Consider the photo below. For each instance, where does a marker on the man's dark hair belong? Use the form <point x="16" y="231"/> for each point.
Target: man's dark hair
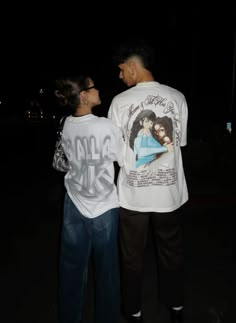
<point x="137" y="47"/>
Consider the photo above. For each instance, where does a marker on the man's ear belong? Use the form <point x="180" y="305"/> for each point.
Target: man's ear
<point x="132" y="65"/>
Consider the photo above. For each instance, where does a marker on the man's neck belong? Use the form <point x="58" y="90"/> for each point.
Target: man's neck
<point x="145" y="76"/>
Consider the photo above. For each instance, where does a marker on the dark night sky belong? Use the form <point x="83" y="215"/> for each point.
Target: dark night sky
<point x="195" y="53"/>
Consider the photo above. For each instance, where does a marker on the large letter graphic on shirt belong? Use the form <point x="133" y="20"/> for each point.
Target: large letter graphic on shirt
<point x="95" y="161"/>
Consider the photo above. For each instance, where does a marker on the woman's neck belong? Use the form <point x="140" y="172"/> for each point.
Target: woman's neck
<point x="82" y="112"/>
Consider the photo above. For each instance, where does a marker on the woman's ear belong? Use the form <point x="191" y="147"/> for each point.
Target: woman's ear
<point x="83" y="97"/>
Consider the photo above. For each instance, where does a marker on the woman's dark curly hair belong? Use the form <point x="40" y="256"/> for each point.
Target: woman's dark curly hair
<point x="68" y="89"/>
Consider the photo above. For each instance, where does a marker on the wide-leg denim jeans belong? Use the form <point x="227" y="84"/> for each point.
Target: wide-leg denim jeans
<point x="79" y="236"/>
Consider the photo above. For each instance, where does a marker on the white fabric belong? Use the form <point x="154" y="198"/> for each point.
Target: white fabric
<point x="92" y="144"/>
<point x="158" y="186"/>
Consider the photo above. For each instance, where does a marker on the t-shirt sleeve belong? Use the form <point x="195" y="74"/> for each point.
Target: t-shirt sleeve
<point x="118" y="145"/>
<point x="113" y="115"/>
<point x="184" y="121"/>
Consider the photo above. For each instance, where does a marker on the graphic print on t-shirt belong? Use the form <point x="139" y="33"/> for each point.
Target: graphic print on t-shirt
<point x="150" y="136"/>
<point x="93" y="161"/>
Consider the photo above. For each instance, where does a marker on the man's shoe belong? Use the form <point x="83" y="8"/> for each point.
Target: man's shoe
<point x="176" y="316"/>
<point x="134" y="319"/>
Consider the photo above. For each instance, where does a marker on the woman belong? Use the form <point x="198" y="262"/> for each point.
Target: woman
<point x="92" y="144"/>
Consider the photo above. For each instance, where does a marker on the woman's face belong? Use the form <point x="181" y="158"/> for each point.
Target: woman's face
<point x="147" y="123"/>
<point x="93" y="94"/>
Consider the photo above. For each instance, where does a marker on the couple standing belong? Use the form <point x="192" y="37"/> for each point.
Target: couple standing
<point x="95" y="220"/>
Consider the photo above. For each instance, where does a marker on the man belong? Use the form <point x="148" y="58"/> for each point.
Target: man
<point x="151" y="184"/>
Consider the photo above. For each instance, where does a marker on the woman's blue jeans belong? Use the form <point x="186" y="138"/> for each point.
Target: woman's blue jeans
<point x="80" y="236"/>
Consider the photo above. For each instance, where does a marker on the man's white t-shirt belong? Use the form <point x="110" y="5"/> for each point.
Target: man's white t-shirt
<point x="153" y="118"/>
<point x="92" y="144"/>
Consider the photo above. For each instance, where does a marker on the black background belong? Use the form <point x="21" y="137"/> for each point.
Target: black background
<point x="195" y="52"/>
